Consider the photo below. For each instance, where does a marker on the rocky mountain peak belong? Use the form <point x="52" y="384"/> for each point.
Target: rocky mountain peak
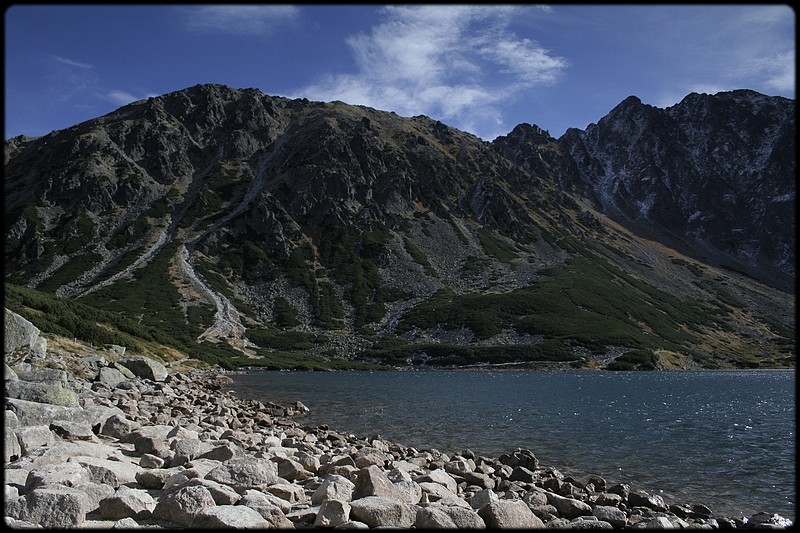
<point x="717" y="169"/>
<point x="229" y="216"/>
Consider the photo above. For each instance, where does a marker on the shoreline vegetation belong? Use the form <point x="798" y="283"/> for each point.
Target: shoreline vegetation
<point x="123" y="441"/>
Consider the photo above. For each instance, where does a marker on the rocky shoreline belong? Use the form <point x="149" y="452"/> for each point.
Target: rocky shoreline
<point x="126" y="443"/>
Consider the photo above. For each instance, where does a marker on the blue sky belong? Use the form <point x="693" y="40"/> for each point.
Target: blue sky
<point x="480" y="68"/>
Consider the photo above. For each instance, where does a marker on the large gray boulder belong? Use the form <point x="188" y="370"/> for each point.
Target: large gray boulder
<point x="334" y="487"/>
<point x="270" y="507"/>
<point x="31" y="413"/>
<point x="245" y="473"/>
<point x="145" y="367"/>
<point x="510" y="514"/>
<point x="51" y="507"/>
<point x="569" y="507"/>
<point x="21" y="339"/>
<point x="332" y="513"/>
<point x="372" y="481"/>
<point x="228" y="517"/>
<point x="127" y="502"/>
<point x="11" y="448"/>
<point x="614" y="516"/>
<point x="50" y="392"/>
<point x="379" y="511"/>
<point x="180" y="506"/>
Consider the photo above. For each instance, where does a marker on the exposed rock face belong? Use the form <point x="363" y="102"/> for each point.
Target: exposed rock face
<point x="21" y="339"/>
<point x="713" y="173"/>
<point x="225" y="215"/>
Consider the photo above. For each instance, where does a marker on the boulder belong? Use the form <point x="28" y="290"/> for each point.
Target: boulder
<point x="50" y="392"/>
<point x="144" y="367"/>
<point x="520" y="457"/>
<point x="372" y="481"/>
<point x="69" y="430"/>
<point x="588" y="522"/>
<point x="21" y="338"/>
<point x="222" y="494"/>
<point x="506" y="514"/>
<point x="433" y="518"/>
<point x="640" y="498"/>
<point x="11" y="448"/>
<point x="245" y="473"/>
<point x="569" y="507"/>
<point x="32" y="437"/>
<point x="127" y="502"/>
<point x="332" y="513"/>
<point x="614" y="516"/>
<point x="441" y="477"/>
<point x="292" y="470"/>
<point x="110" y="377"/>
<point x="448" y="516"/>
<point x="150" y="439"/>
<point x="334" y="487"/>
<point x="66" y="474"/>
<point x="764" y="520"/>
<point x="483" y="497"/>
<point x="108" y="472"/>
<point x="51" y="506"/>
<point x="380" y="511"/>
<point x="288" y="491"/>
<point x="181" y="505"/>
<point x="228" y="517"/>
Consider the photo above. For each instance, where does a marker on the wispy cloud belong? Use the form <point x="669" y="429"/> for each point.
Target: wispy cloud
<point x="759" y="51"/>
<point x="72" y="63"/>
<point x="123" y="97"/>
<point x="79" y="85"/>
<point x="241" y="19"/>
<point x="454" y="63"/>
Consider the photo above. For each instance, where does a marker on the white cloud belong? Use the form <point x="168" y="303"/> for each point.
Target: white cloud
<point x="241" y="19"/>
<point x="72" y="63"/>
<point x="760" y="48"/>
<point x="123" y="97"/>
<point x="454" y="63"/>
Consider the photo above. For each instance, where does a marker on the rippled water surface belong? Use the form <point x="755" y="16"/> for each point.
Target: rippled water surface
<point x="726" y="439"/>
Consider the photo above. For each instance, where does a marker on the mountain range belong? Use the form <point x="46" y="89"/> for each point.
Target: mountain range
<point x="239" y="228"/>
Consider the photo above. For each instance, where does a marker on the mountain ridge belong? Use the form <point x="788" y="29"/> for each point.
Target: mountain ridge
<point x="260" y="218"/>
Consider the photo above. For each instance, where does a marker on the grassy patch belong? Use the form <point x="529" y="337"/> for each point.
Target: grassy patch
<point x="71" y="271"/>
<point x="495" y="246"/>
<point x="284" y="314"/>
<point x="587" y="302"/>
<point x="419" y="257"/>
<point x="399" y="353"/>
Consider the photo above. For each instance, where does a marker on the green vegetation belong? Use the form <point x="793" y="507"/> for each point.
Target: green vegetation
<point x="71" y="270"/>
<point x="286" y="341"/>
<point x="154" y="302"/>
<point x="419" y="257"/>
<point x="301" y="361"/>
<point x="634" y="360"/>
<point x="696" y="269"/>
<point x="472" y="266"/>
<point x="587" y="302"/>
<point x="352" y="258"/>
<point x="79" y="230"/>
<point x="397" y="352"/>
<point x="285" y="315"/>
<point x="495" y="246"/>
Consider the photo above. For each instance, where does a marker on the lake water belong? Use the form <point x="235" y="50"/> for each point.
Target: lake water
<point x="722" y="438"/>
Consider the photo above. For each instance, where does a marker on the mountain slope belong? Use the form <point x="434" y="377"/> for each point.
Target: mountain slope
<point x="254" y="228"/>
<point x="712" y="175"/>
